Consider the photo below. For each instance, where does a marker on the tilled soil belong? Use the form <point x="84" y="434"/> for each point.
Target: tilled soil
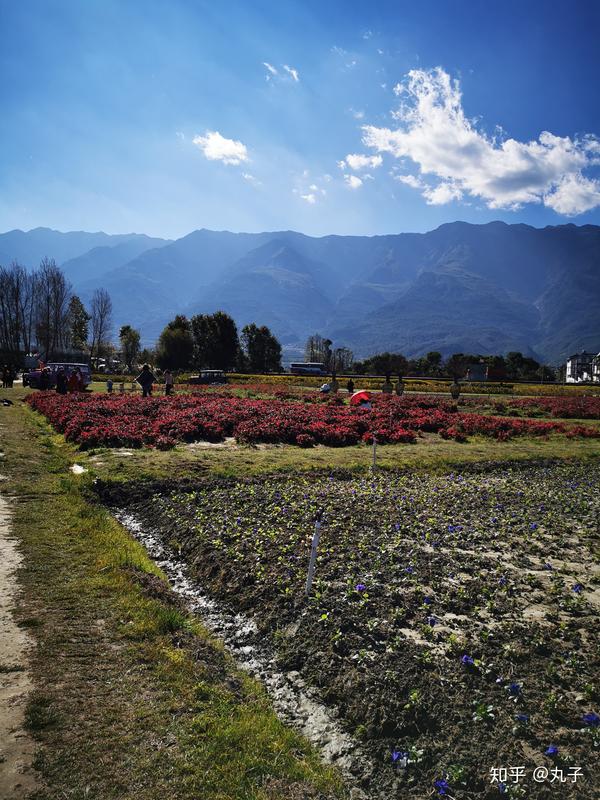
<point x="453" y="621"/>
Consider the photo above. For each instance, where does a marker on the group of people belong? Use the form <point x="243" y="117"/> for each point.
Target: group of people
<point x="146" y="379"/>
<point x="66" y="382"/>
<point x="8" y="377"/>
<point x="387" y="387"/>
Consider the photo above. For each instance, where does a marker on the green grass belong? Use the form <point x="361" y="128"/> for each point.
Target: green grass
<point x="133" y="699"/>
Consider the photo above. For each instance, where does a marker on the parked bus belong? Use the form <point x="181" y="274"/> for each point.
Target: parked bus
<point x="308" y="368"/>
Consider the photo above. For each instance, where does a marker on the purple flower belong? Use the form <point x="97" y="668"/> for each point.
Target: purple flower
<point x="514" y="688"/>
<point x="410" y="570"/>
<point x="468" y="661"/>
<point x="427" y="600"/>
<point x="533" y="526"/>
<point x="399" y="755"/>
<point x="431" y="621"/>
<point x="502" y="788"/>
<point x="547" y="565"/>
<point x="592" y="719"/>
<point x="523" y="718"/>
<point x="360" y="587"/>
<point x="442" y="786"/>
<point x="552" y="750"/>
<point x="577" y="588"/>
<point x="503" y="580"/>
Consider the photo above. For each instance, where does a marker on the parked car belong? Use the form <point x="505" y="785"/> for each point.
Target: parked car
<point x="208" y="376"/>
<point x="32" y="377"/>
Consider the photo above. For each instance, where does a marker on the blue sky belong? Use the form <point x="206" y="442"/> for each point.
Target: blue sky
<point x="324" y="117"/>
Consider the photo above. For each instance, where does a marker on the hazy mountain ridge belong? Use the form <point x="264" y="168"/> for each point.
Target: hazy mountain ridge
<point x="480" y="288"/>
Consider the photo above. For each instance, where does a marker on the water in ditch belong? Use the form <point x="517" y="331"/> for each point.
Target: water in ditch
<point x="295" y="702"/>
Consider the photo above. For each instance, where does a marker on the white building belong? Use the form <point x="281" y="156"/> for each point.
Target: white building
<point x="583" y="367"/>
<point x="596" y="369"/>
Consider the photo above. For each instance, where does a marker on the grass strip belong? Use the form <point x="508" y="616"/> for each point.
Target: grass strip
<point x="133" y="698"/>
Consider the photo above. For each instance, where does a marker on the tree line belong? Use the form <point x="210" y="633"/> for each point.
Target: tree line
<point x="513" y="366"/>
<point x="211" y="341"/>
<point x="40" y="314"/>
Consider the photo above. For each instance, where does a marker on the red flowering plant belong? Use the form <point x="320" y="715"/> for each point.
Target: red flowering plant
<point x="118" y="421"/>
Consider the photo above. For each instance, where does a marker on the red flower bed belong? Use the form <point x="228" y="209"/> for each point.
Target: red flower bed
<point x="104" y="420"/>
<point x="557" y="407"/>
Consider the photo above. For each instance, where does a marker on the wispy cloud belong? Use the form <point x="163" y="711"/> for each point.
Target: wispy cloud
<point x="282" y="75"/>
<point x="270" y="70"/>
<point x="217" y="148"/>
<point x="309" y="198"/>
<point x="456" y="158"/>
<point x="247" y="176"/>
<point x="357" y="161"/>
<point x="292" y="72"/>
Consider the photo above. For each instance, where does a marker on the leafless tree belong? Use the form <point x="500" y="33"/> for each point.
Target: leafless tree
<point x="52" y="302"/>
<point x="14" y="286"/>
<point x="318" y="349"/>
<point x="101" y="322"/>
<point x="343" y="358"/>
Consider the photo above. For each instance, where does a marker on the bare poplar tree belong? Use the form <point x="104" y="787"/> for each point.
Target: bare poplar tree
<point x="52" y="301"/>
<point x="101" y="322"/>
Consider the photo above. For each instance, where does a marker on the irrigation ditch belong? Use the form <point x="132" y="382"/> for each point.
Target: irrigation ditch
<point x="296" y="703"/>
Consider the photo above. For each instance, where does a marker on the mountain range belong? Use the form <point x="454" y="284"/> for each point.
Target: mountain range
<point x="460" y="288"/>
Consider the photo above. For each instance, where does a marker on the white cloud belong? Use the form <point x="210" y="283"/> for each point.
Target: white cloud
<point x="574" y="195"/>
<point x="410" y="180"/>
<point x="357" y="161"/>
<point x="180" y="135"/>
<point x="444" y="192"/>
<point x="217" y="148"/>
<point x="461" y="159"/>
<point x="310" y="198"/>
<point x="247" y="176"/>
<point x="293" y="72"/>
<point x="353" y="181"/>
<point x="289" y="73"/>
<point x="271" y="70"/>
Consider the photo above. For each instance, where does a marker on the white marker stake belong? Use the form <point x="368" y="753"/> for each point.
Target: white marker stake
<point x="374" y="452"/>
<point x="313" y="557"/>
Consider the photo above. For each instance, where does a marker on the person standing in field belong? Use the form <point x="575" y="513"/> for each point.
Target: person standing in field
<point x="61" y="381"/>
<point x="169" y="382"/>
<point x="80" y="383"/>
<point x="145" y="380"/>
<point x="399" y="386"/>
<point x="387" y="387"/>
<point x="350" y="386"/>
<point x="73" y="382"/>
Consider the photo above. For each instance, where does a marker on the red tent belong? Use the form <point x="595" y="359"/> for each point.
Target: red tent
<point x="359" y="397"/>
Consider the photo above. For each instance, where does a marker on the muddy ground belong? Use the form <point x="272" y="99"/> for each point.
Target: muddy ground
<point x="453" y="622"/>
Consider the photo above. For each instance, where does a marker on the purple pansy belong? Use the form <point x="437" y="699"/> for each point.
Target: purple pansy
<point x="592" y="719"/>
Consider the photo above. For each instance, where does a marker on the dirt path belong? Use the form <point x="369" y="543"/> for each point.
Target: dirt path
<point x="17" y="777"/>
